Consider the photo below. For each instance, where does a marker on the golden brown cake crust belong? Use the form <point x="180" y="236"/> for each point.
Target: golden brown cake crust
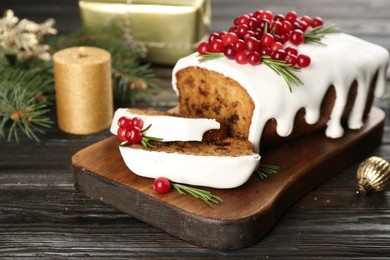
<point x="205" y="93"/>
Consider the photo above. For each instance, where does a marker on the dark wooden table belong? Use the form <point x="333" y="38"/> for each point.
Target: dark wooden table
<point x="42" y="215"/>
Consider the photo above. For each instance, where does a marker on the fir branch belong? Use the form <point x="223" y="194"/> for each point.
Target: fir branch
<point x="265" y="170"/>
<point x="315" y="35"/>
<point x="20" y="109"/>
<point x="204" y="195"/>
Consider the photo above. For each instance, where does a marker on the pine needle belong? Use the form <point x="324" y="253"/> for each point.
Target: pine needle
<point x="20" y="109"/>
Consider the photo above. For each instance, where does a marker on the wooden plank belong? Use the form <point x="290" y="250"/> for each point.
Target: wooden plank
<point x="248" y="212"/>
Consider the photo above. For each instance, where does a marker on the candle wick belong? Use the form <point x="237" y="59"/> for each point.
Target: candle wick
<point x="81" y="53"/>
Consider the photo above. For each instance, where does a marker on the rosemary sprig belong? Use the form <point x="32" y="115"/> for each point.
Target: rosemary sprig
<point x="265" y="170"/>
<point x="145" y="139"/>
<point x="204" y="195"/>
<point x="283" y="69"/>
<point x="280" y="67"/>
<point x="315" y="35"/>
<point x="210" y="56"/>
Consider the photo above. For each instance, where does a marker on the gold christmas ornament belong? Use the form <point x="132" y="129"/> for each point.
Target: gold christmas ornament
<point x="373" y="175"/>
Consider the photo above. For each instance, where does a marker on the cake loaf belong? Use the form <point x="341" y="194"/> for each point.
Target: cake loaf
<point x="338" y="88"/>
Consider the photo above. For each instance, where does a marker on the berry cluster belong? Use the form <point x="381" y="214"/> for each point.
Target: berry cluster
<point x="130" y="131"/>
<point x="261" y="34"/>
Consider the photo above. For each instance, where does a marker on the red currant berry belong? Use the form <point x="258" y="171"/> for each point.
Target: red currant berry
<point x="257" y="14"/>
<point x="291" y="50"/>
<point x="258" y="33"/>
<point x="239" y="45"/>
<point x="217" y="46"/>
<point x="229" y="38"/>
<point x="254" y="58"/>
<point x="133" y="135"/>
<point x="266" y="15"/>
<point x="241" y="57"/>
<point x="301" y="25"/>
<point x="287" y="27"/>
<point x="203" y="48"/>
<point x="303" y="61"/>
<point x="252" y="44"/>
<point x="250" y="33"/>
<point x="276" y="46"/>
<point x="264" y="25"/>
<point x="221" y="34"/>
<point x="284" y="38"/>
<point x="317" y="22"/>
<point x="291" y="16"/>
<point x="229" y="52"/>
<point x="252" y="22"/>
<point x="161" y="185"/>
<point x="242" y="29"/>
<point x="213" y="36"/>
<point x="267" y="40"/>
<point x="243" y="19"/>
<point x="306" y="19"/>
<point x="291" y="59"/>
<point x="279" y="18"/>
<point x="297" y="37"/>
<point x="265" y="51"/>
<point x="278" y="55"/>
<point x="137" y="122"/>
<point x="233" y="29"/>
<point x="276" y="27"/>
<point x="124" y="122"/>
<point x="121" y="133"/>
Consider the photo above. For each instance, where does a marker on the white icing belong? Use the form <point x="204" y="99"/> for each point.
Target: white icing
<point x="221" y="172"/>
<point x="170" y="128"/>
<point x="343" y="59"/>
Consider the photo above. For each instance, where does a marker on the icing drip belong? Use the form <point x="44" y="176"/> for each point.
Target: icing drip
<point x="339" y="62"/>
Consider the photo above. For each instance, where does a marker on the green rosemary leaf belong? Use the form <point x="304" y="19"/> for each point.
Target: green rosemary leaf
<point x="210" y="56"/>
<point x="147" y="128"/>
<point x="285" y="70"/>
<point x="265" y="170"/>
<point x="316" y="34"/>
<point x="204" y="195"/>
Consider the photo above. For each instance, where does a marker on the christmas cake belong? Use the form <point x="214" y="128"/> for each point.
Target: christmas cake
<point x="267" y="79"/>
<point x="338" y="77"/>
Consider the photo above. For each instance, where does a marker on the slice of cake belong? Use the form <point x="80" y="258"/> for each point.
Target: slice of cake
<point x="337" y="87"/>
<point x="221" y="164"/>
<point x="172" y="127"/>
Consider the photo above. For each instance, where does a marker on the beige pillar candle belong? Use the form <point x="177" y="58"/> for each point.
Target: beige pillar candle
<point x="83" y="89"/>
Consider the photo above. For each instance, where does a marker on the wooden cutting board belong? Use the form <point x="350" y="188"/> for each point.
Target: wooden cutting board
<point x="248" y="212"/>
